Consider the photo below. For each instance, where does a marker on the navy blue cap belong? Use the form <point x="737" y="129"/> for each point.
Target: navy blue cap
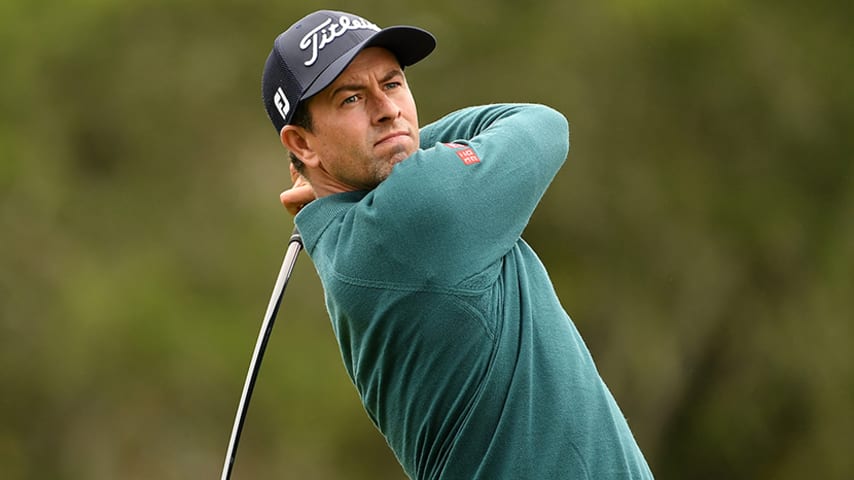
<point x="309" y="56"/>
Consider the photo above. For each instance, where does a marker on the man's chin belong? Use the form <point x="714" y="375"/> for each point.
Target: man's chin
<point x="398" y="154"/>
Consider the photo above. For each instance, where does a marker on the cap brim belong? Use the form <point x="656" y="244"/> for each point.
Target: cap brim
<point x="408" y="44"/>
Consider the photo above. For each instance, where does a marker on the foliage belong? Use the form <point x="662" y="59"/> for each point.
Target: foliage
<point x="700" y="235"/>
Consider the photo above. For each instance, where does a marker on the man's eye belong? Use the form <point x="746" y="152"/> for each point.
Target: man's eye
<point x="350" y="99"/>
<point x="392" y="85"/>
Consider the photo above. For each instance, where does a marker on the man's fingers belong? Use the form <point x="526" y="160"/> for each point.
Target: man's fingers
<point x="295" y="198"/>
<point x="294" y="173"/>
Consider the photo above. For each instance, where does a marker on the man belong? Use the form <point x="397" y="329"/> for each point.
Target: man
<point x="447" y="321"/>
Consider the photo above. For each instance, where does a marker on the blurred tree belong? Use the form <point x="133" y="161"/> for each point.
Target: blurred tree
<point x="700" y="235"/>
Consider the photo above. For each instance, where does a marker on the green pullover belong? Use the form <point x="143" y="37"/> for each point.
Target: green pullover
<point x="448" y="323"/>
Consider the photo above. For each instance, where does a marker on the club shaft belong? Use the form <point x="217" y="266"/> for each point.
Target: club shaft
<point x="294" y="248"/>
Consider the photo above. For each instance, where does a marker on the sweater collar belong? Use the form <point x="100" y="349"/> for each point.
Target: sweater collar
<point x="315" y="217"/>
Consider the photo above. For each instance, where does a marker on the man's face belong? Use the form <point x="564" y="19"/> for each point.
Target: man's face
<point x="365" y="122"/>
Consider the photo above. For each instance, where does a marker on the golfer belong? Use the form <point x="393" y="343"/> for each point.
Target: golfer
<point x="447" y="321"/>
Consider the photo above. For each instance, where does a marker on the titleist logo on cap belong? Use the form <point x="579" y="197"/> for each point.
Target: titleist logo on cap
<point x="326" y="33"/>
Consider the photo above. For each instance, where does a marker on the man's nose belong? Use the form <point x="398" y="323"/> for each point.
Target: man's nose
<point x="385" y="108"/>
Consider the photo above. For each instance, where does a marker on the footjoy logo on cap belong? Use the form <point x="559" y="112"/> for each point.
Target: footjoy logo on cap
<point x="326" y="33"/>
<point x="281" y="103"/>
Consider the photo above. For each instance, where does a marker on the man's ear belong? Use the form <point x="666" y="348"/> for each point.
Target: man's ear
<point x="295" y="139"/>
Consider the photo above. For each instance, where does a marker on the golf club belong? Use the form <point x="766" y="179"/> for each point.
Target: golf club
<point x="294" y="247"/>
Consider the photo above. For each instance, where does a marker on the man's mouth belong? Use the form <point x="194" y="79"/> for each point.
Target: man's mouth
<point x="391" y="137"/>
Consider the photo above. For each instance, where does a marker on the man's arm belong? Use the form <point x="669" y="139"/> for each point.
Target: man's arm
<point x="466" y="196"/>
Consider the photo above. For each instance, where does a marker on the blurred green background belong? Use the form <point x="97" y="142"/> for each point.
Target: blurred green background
<point x="701" y="234"/>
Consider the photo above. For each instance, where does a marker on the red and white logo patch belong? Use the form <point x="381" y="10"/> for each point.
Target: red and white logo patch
<point x="466" y="153"/>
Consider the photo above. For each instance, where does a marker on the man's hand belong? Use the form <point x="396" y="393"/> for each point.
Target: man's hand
<point x="298" y="195"/>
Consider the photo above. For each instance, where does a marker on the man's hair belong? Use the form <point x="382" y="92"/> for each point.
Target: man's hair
<point x="301" y="118"/>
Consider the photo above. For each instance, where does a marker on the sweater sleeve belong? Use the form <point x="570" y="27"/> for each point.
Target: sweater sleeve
<point x="461" y="202"/>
